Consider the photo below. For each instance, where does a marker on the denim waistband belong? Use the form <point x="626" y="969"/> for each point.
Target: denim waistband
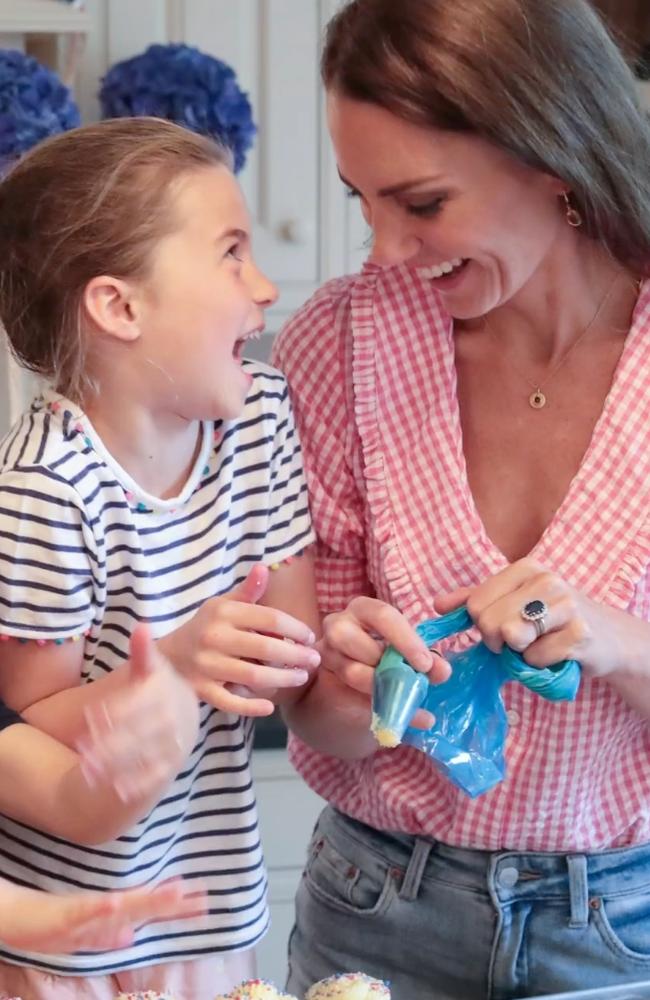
<point x="506" y="875"/>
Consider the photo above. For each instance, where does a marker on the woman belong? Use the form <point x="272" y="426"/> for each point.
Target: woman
<point x="473" y="410"/>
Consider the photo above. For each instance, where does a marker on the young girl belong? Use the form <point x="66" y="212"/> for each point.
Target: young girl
<point x="158" y="480"/>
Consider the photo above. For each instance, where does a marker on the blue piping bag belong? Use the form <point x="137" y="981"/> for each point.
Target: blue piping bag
<point x="398" y="691"/>
<point x="467" y="739"/>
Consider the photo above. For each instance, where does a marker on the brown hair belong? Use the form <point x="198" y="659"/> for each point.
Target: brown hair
<point x="541" y="79"/>
<point x="91" y="201"/>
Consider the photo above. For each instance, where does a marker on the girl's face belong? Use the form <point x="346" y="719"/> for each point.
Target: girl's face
<point x="480" y="223"/>
<point x="203" y="299"/>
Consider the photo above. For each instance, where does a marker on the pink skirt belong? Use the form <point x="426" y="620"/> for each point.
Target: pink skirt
<point x="200" y="979"/>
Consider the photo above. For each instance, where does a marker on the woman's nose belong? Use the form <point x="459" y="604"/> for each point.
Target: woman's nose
<point x="392" y="244"/>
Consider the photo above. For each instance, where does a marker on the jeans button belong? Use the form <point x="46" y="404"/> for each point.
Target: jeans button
<point x="508" y="877"/>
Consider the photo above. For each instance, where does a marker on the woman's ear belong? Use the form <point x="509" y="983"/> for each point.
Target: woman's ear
<point x="555" y="185"/>
<point x="111" y="305"/>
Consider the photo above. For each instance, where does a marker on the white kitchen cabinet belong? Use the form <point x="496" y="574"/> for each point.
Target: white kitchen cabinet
<point x="46" y="29"/>
<point x="39" y="17"/>
<point x="287" y="810"/>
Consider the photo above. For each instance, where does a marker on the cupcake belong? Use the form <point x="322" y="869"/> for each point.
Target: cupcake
<point x="349" y="986"/>
<point x="256" y="989"/>
<point x="147" y="995"/>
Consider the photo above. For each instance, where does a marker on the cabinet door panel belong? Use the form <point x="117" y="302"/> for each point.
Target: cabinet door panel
<point x="118" y="29"/>
<point x="345" y="235"/>
<point x="273" y="47"/>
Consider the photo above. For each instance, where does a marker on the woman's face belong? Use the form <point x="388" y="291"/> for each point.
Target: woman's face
<point x="480" y="222"/>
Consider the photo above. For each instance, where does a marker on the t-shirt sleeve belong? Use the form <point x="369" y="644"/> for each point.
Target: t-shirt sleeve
<point x="8" y="717"/>
<point x="289" y="528"/>
<point x="311" y="351"/>
<point x="48" y="558"/>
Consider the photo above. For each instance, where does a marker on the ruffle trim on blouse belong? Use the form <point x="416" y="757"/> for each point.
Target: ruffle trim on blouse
<point x="618" y="456"/>
<point x="635" y="558"/>
<point x="364" y="375"/>
<point x="633" y="566"/>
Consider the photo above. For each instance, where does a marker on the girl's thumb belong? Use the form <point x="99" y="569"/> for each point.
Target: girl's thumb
<point x="251" y="590"/>
<point x="142" y="653"/>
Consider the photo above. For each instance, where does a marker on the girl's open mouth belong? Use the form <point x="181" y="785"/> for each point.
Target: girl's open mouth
<point x="240" y="343"/>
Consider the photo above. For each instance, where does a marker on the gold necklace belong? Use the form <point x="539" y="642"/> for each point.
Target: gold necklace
<point x="537" y="399"/>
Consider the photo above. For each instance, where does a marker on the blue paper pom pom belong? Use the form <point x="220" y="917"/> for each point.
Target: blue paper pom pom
<point x="33" y="104"/>
<point x="186" y="86"/>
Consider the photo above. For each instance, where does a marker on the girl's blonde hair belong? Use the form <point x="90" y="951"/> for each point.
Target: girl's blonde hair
<point x="91" y="201"/>
<point x="541" y="79"/>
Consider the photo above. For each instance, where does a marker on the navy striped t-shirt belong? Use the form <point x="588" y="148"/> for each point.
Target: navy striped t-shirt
<point x="85" y="554"/>
<point x="7" y="717"/>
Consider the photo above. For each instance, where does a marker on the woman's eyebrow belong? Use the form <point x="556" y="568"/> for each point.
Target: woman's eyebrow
<point x="393" y="189"/>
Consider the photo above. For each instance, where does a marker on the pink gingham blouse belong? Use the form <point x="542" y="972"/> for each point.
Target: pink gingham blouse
<point x="370" y="363"/>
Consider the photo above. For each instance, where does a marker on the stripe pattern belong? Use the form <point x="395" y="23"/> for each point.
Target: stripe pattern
<point x="85" y="551"/>
<point x="395" y="517"/>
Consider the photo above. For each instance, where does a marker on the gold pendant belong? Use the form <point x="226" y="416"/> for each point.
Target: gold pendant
<point x="537" y="399"/>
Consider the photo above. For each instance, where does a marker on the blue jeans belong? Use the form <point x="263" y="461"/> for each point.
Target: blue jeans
<point x="445" y="923"/>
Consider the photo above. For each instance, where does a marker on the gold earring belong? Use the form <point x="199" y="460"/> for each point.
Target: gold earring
<point x="573" y="216"/>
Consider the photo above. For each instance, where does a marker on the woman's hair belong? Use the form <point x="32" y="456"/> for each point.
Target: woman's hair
<point x="541" y="79"/>
<point x="92" y="201"/>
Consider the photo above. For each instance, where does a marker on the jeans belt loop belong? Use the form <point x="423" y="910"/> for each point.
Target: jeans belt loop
<point x="578" y="890"/>
<point x="410" y="886"/>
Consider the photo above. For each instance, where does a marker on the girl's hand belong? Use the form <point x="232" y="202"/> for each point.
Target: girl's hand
<point x="140" y="736"/>
<point x="354" y="640"/>
<point x="98" y="921"/>
<point x="234" y="646"/>
<point x="575" y="627"/>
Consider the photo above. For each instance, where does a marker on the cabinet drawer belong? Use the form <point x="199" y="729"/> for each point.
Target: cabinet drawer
<point x="287" y="809"/>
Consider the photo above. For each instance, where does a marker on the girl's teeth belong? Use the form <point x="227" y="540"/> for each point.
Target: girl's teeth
<point x="438" y="270"/>
<point x="255" y="335"/>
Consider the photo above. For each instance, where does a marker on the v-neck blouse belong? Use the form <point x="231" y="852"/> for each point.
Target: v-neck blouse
<point x="370" y="363"/>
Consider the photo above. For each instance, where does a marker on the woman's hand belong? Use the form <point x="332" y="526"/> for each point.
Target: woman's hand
<point x="46" y="922"/>
<point x="354" y="640"/>
<point x="234" y="647"/>
<point x="575" y="627"/>
<point x="140" y="736"/>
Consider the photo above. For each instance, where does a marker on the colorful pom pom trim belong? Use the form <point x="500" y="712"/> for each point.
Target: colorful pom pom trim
<point x="283" y="562"/>
<point x="45" y="642"/>
<point x="77" y="428"/>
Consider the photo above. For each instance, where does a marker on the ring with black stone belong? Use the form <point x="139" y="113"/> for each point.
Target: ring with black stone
<point x="536" y="612"/>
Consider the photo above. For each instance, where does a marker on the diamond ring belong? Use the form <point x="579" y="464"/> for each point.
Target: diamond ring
<point x="536" y="612"/>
